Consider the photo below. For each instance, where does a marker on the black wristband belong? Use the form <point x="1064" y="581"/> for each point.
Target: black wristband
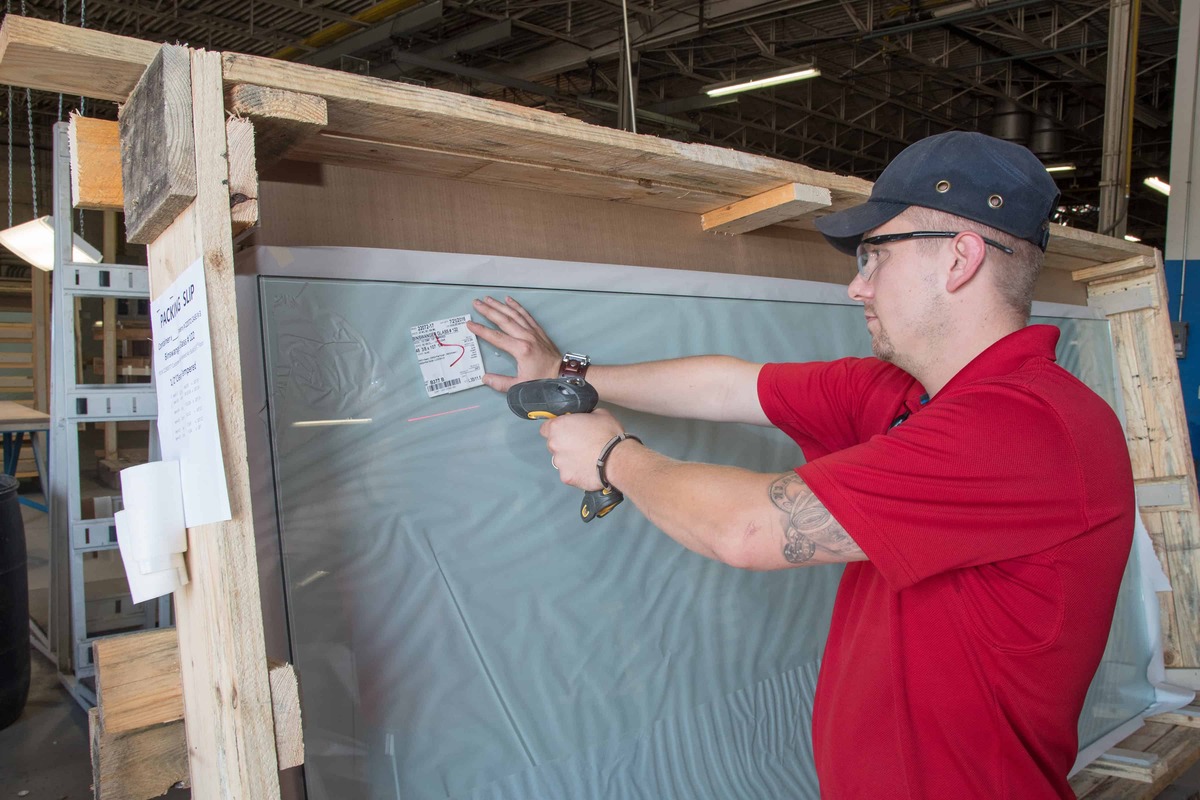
<point x="602" y="461"/>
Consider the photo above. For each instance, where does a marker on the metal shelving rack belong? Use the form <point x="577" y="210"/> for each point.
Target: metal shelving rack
<point x="72" y="537"/>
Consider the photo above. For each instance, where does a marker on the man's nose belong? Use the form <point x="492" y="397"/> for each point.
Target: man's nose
<point x="859" y="289"/>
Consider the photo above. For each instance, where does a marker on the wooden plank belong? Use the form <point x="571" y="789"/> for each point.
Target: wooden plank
<point x="1131" y="765"/>
<point x="16" y="330"/>
<point x="1159" y="447"/>
<point x="96" y="164"/>
<point x="139" y="686"/>
<point x="778" y="205"/>
<point x="139" y="764"/>
<point x="243" y="175"/>
<point x="226" y="690"/>
<point x="1126" y="266"/>
<point x="1188" y="716"/>
<point x="137" y="679"/>
<point x="158" y="162"/>
<point x="282" y="119"/>
<point x="72" y="60"/>
<point x="1094" y="247"/>
<point x="285" y="706"/>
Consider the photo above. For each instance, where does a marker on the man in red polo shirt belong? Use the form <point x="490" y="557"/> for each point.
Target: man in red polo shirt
<point x="980" y="495"/>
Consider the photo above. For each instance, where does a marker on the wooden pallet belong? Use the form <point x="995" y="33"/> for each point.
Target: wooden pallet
<point x="1146" y="762"/>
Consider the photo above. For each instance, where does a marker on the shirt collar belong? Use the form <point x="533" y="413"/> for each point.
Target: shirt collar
<point x="1007" y="355"/>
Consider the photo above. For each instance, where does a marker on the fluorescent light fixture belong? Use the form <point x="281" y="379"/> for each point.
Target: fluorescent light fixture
<point x="34" y="242"/>
<point x="763" y="81"/>
<point x="1129" y="237"/>
<point x="1158" y="185"/>
<point x="1060" y="168"/>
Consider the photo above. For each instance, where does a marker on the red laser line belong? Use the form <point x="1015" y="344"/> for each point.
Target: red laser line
<point x="442" y="414"/>
<point x="459" y="346"/>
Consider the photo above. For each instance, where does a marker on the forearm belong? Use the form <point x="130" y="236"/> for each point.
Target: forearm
<point x="716" y="388"/>
<point x="745" y="519"/>
<point x="701" y="506"/>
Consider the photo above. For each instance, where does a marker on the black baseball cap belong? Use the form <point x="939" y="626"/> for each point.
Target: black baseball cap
<point x="970" y="175"/>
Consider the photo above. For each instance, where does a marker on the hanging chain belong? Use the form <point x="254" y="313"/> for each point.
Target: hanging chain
<point x="60" y="94"/>
<point x="10" y="148"/>
<point x="8" y="10"/>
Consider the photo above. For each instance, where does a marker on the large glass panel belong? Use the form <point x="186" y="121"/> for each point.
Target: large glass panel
<point x="462" y="634"/>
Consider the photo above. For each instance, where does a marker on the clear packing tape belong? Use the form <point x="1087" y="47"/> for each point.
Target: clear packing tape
<point x="461" y="634"/>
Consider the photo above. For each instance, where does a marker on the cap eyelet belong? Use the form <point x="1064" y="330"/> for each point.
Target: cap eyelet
<point x="995" y="201"/>
<point x="942" y="186"/>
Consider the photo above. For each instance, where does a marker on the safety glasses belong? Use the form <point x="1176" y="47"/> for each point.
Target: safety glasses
<point x="870" y="257"/>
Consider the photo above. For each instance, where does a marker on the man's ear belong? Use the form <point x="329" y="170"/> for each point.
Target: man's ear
<point x="969" y="251"/>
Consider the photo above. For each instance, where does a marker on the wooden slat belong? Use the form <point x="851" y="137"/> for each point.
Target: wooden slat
<point x="145" y="762"/>
<point x="1131" y="765"/>
<point x="1174" y="749"/>
<point x="1188" y="716"/>
<point x="95" y="164"/>
<point x="72" y="60"/>
<point x="1159" y="448"/>
<point x="285" y="706"/>
<point x="282" y="119"/>
<point x="137" y="679"/>
<point x="243" y="174"/>
<point x="1093" y="247"/>
<point x="778" y="205"/>
<point x="157" y="157"/>
<point x="1125" y="266"/>
<point x="16" y="330"/>
<point x="227" y="696"/>
<point x="140" y="764"/>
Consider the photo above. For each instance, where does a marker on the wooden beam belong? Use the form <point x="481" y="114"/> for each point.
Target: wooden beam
<point x="96" y="164"/>
<point x="226" y="689"/>
<point x="1131" y="765"/>
<point x="1188" y="716"/>
<point x="158" y="161"/>
<point x="243" y="175"/>
<point x="285" y="706"/>
<point x="145" y="762"/>
<point x="138" y="680"/>
<point x="63" y="58"/>
<point x="139" y="764"/>
<point x="282" y="119"/>
<point x="1126" y="266"/>
<point x="781" y="204"/>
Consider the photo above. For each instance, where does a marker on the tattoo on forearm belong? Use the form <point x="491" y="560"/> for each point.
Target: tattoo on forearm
<point x="807" y="525"/>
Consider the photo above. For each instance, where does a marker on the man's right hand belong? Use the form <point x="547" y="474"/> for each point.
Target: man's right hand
<point x="518" y="334"/>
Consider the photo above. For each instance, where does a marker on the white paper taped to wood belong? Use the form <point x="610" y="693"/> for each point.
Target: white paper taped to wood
<point x="187" y="400"/>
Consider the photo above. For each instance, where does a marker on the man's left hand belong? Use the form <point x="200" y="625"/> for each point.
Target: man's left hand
<point x="575" y="442"/>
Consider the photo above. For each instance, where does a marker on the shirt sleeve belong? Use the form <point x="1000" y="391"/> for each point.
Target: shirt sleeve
<point x="821" y="405"/>
<point x="966" y="481"/>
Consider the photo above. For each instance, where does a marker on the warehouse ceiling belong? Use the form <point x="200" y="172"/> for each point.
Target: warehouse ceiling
<point x="891" y="72"/>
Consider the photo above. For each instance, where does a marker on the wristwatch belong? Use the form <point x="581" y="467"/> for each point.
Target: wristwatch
<point x="574" y="365"/>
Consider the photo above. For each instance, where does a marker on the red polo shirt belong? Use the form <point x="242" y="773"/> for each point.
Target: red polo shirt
<point x="997" y="519"/>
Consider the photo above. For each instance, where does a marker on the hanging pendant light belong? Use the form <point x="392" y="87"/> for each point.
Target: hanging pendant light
<point x="33" y="241"/>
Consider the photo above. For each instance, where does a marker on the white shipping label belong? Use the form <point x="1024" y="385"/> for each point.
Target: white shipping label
<point x="448" y="354"/>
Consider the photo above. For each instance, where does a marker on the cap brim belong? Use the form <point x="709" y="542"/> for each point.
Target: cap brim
<point x="844" y="229"/>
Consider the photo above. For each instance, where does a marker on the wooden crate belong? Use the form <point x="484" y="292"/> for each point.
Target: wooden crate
<point x="392" y="163"/>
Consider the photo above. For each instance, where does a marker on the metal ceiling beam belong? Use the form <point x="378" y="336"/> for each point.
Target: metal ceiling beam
<point x="419" y="19"/>
<point x="479" y="38"/>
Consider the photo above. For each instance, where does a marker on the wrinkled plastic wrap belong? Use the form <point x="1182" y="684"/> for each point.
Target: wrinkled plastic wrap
<point x="460" y="633"/>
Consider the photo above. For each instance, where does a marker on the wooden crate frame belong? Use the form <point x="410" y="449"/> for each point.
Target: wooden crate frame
<point x="351" y="122"/>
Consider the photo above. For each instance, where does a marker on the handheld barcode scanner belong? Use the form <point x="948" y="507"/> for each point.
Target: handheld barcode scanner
<point x="553" y="397"/>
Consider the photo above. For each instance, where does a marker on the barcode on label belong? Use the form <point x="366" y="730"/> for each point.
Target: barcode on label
<point x="440" y="383"/>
